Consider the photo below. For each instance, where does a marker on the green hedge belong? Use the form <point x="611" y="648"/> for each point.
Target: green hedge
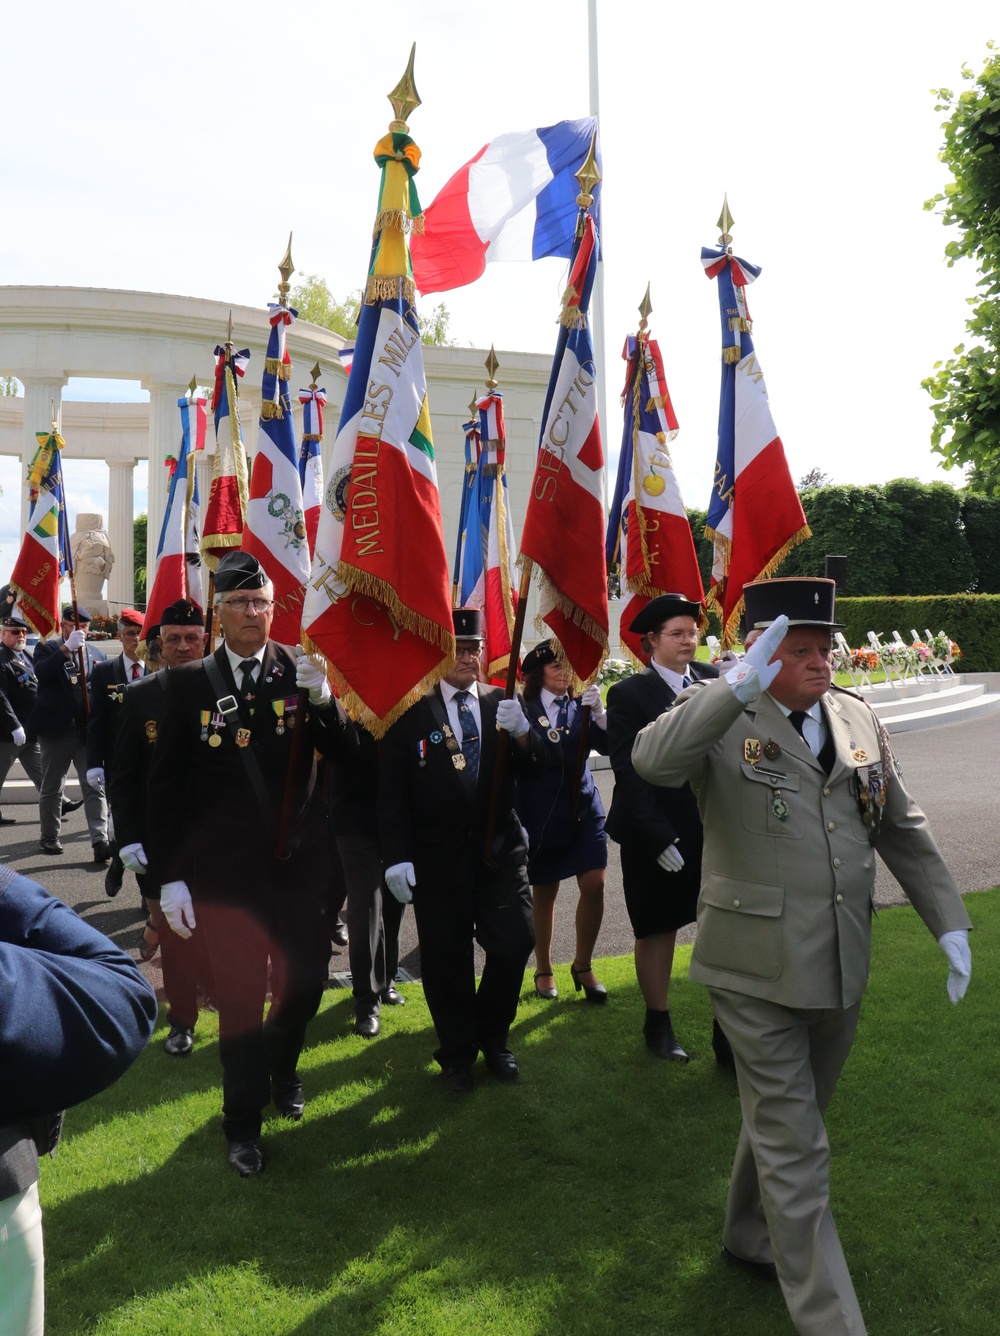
<point x="971" y="620"/>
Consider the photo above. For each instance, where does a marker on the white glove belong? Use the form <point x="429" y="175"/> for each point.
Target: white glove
<point x="512" y="719"/>
<point x="755" y="672"/>
<point x="955" y="945"/>
<point x="175" y="901"/>
<point x="400" y="878"/>
<point x="133" y="857"/>
<point x="310" y="678"/>
<point x="74" y="640"/>
<point x="95" y="777"/>
<point x="592" y="697"/>
<point x="671" y="860"/>
<point x="19" y="737"/>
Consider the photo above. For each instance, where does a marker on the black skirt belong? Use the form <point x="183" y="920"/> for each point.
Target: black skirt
<point x="659" y="901"/>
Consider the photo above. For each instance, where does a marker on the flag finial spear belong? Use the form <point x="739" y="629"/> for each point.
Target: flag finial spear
<point x="473" y="405"/>
<point x="286" y="269"/>
<point x="404" y="98"/>
<point x="588" y="175"/>
<point x="492" y="365"/>
<point x="229" y="331"/>
<point x="725" y="222"/>
<point x="55" y="420"/>
<point x="192" y="388"/>
<point x="315" y="376"/>
<point x="645" y="306"/>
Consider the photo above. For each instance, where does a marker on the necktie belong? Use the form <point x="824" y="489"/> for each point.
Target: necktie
<point x="827" y="752"/>
<point x="470" y="734"/>
<point x="685" y="683"/>
<point x="562" y="718"/>
<point x="135" y="672"/>
<point x="247" y="689"/>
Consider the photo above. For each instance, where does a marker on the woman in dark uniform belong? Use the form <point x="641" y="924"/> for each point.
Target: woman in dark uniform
<point x="562" y="844"/>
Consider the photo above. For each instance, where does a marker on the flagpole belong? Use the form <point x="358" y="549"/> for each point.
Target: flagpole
<point x="68" y="558"/>
<point x="463" y="509"/>
<point x="597" y="298"/>
<point x="500" y="755"/>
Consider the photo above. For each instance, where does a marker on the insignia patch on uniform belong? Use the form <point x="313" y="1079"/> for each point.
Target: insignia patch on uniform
<point x="772" y="750"/>
<point x="149" y="729"/>
<point x="860" y="754"/>
<point x="242" y="737"/>
<point x="437" y="736"/>
<point x="752" y="750"/>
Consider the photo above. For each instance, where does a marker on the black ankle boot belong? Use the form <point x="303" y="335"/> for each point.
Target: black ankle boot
<point x="660" y="1037"/>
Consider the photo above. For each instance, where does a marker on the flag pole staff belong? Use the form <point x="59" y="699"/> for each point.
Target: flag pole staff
<point x="463" y="509"/>
<point x="68" y="558"/>
<point x="210" y="610"/>
<point x="188" y="490"/>
<point x="597" y="299"/>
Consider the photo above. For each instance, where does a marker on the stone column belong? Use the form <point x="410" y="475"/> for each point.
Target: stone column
<point x="41" y="393"/>
<point x="164" y="439"/>
<point x="121" y="588"/>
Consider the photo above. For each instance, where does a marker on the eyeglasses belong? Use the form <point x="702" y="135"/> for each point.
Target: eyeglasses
<point x="464" y="652"/>
<point x="678" y="635"/>
<point x="242" y="604"/>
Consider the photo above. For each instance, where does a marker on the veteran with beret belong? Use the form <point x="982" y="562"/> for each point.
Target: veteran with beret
<point x="798" y="790"/>
<point x="216" y="789"/>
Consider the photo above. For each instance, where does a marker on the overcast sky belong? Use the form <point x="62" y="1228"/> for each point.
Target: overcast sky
<point x="171" y="149"/>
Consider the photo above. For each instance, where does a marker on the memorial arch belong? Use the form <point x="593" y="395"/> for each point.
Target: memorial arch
<point x="48" y="335"/>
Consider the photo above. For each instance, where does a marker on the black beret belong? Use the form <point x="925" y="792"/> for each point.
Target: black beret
<point x="239" y="570"/>
<point x="181" y="613"/>
<point x="660" y="609"/>
<point x="468" y="623"/>
<point x="14" y="621"/>
<point x="804" y="601"/>
<point x="82" y="615"/>
<point x="538" y="657"/>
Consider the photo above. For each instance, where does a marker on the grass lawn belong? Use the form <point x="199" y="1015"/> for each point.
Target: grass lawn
<point x="587" y="1201"/>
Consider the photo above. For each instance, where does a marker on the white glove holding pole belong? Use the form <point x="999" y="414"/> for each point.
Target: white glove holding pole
<point x="310" y="678"/>
<point x="755" y="672"/>
<point x="175" y="901"/>
<point x="401" y="878"/>
<point x="133" y="857"/>
<point x="955" y="945"/>
<point x="75" y="640"/>
<point x="95" y="778"/>
<point x="512" y="719"/>
<point x="19" y="737"/>
<point x="671" y="860"/>
<point x="592" y="698"/>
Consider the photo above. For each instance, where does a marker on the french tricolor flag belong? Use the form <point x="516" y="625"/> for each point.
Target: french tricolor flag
<point x="515" y="200"/>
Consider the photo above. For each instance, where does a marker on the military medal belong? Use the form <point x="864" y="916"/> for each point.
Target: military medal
<point x="553" y="735"/>
<point x="242" y="737"/>
<point x="458" y="760"/>
<point x="778" y="805"/>
<point x="452" y="745"/>
<point x="437" y="736"/>
<point x="422" y="752"/>
<point x="205" y="716"/>
<point x="751" y="750"/>
<point x="278" y="706"/>
<point x="150" y="730"/>
<point x="215" y="740"/>
<point x="771" y="750"/>
<point x="860" y="754"/>
<point x="543" y="722"/>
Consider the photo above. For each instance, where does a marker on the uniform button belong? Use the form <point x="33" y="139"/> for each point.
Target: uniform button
<point x="836" y="862"/>
<point x="831" y="825"/>
<point x="736" y="904"/>
<point x="840" y="899"/>
<point x="826" y="793"/>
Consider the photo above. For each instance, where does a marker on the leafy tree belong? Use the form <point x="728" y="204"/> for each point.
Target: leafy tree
<point x="814" y="478"/>
<point x="315" y="302"/>
<point x="8" y="386"/>
<point x="981" y="523"/>
<point x="139" y="527"/>
<point x="966" y="388"/>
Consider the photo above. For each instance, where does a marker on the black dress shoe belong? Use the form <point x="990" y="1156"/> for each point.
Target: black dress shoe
<point x="721" y="1047"/>
<point x="502" y="1065"/>
<point x="366" y="1024"/>
<point x="660" y="1038"/>
<point x="762" y="1270"/>
<point x="548" y="993"/>
<point x="114" y="877"/>
<point x="596" y="993"/>
<point x="50" y="847"/>
<point x="70" y="805"/>
<point x="392" y="998"/>
<point x="102" y="852"/>
<point x="289" y="1098"/>
<point x="339" y="934"/>
<point x="179" y="1042"/>
<point x="7" y="820"/>
<point x="246" y="1159"/>
<point x="458" y="1080"/>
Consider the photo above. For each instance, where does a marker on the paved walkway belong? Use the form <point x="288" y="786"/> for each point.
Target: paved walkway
<point x="950" y="770"/>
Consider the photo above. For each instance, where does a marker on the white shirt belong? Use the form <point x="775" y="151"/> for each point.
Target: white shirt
<point x="550" y="706"/>
<point x="451" y="705"/>
<point x="814" y="726"/>
<point x="129" y="665"/>
<point x="236" y="659"/>
<point x="675" y="681"/>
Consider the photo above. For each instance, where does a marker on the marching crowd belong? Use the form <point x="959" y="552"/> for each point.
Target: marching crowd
<point x="250" y="807"/>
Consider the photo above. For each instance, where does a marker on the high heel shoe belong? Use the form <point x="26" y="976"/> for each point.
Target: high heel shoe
<point x="592" y="992"/>
<point x="546" y="992"/>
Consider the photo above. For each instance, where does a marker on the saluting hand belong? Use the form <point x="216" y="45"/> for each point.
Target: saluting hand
<point x="755" y="672"/>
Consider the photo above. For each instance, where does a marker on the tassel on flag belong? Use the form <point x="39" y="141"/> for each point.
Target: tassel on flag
<point x="44" y="556"/>
<point x="311" y="456"/>
<point x="378" y="603"/>
<point x="275" y="531"/>
<point x="178" y="571"/>
<point x="754" y="515"/>
<point x="500" y="602"/>
<point x="564" y="525"/>
<point x="468" y="547"/>
<point x="649" y="535"/>
<point x="227" y="498"/>
<point x="515" y="200"/>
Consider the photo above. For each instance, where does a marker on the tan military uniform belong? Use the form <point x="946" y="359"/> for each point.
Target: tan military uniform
<point x="784" y="939"/>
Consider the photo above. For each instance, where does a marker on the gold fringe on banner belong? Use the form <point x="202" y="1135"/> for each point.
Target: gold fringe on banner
<point x="732" y="626"/>
<point x="574" y="613"/>
<point x="219" y="540"/>
<point x="312" y="437"/>
<point x="739" y="324"/>
<point x="400" y="221"/>
<point x="658" y="401"/>
<point x="285" y="371"/>
<point x="24" y="597"/>
<point x="386" y="288"/>
<point x="272" y="366"/>
<point x="268" y="411"/>
<point x="573" y="318"/>
<point x="731" y="354"/>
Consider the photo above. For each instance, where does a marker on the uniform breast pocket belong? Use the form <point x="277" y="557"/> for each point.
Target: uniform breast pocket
<point x="739" y="926"/>
<point x="769" y="803"/>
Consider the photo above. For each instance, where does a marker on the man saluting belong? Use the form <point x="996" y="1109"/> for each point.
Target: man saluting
<point x="216" y="785"/>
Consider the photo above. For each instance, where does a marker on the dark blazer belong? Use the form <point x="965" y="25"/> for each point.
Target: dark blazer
<point x="59" y="703"/>
<point x="128" y="775"/>
<point x="352" y="777"/>
<point x="18" y="689"/>
<point x="543" y="803"/>
<point x="643" y="814"/>
<point x="107" y="692"/>
<point x="429" y="814"/>
<point x="204" y="822"/>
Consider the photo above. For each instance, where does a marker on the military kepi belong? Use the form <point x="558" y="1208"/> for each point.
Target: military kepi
<point x="538" y="657"/>
<point x="468" y="623"/>
<point x="804" y="601"/>
<point x="660" y="609"/>
<point x="239" y="570"/>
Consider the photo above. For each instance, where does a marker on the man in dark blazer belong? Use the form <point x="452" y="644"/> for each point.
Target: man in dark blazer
<point x="185" y="965"/>
<point x="216" y="789"/>
<point x="107" y="691"/>
<point x="658" y="829"/>
<point x="434" y="795"/>
<point x="60" y="721"/>
<point x="18" y="689"/>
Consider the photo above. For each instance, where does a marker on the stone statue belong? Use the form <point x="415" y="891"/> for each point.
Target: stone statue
<point x="92" y="562"/>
